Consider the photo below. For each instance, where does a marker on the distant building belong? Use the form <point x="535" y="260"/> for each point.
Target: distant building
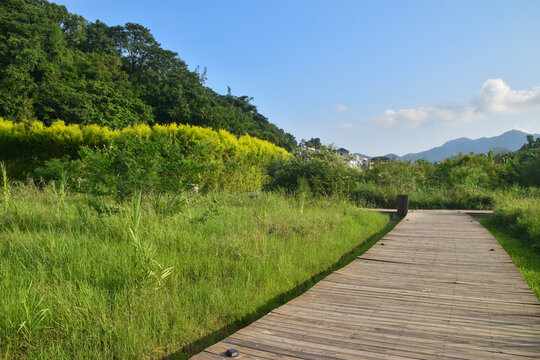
<point x="359" y="161"/>
<point x="343" y="152"/>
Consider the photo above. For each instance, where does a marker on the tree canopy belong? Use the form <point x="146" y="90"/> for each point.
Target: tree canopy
<point x="57" y="65"/>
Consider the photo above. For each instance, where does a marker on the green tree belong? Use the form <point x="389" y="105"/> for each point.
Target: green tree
<point x="325" y="172"/>
<point x="314" y="143"/>
<point x="57" y="65"/>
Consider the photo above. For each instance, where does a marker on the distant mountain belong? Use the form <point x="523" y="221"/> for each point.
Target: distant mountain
<point x="362" y="155"/>
<point x="391" y="156"/>
<point x="509" y="141"/>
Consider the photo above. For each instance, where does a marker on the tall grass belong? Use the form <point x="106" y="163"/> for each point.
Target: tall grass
<point x="525" y="257"/>
<point x="6" y="191"/>
<point x="516" y="225"/>
<point x="95" y="279"/>
<point x="370" y="194"/>
<point x="519" y="212"/>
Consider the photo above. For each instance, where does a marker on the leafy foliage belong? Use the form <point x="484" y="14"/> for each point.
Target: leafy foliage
<point x="523" y="166"/>
<point x="159" y="164"/>
<point x="322" y="171"/>
<point x="463" y="182"/>
<point x="57" y="65"/>
<point x="314" y="143"/>
<point x="160" y="159"/>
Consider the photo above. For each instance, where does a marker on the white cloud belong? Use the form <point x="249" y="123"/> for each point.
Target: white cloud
<point x="405" y="117"/>
<point x="412" y="118"/>
<point x="495" y="97"/>
<point x="347" y="126"/>
<point x="341" y="108"/>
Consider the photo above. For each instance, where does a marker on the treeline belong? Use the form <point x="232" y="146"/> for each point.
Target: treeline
<point x="57" y="65"/>
<point x="465" y="182"/>
<point x="522" y="166"/>
<point x="221" y="161"/>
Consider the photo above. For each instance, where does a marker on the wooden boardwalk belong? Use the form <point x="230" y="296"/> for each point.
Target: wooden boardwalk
<point x="432" y="288"/>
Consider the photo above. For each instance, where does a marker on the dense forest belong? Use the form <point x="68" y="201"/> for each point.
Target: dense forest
<point x="58" y="65"/>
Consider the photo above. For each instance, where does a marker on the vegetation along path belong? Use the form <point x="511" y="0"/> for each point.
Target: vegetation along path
<point x="438" y="286"/>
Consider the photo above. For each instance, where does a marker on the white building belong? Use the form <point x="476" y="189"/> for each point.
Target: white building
<point x="343" y="152"/>
<point x="359" y="161"/>
<point x="355" y="160"/>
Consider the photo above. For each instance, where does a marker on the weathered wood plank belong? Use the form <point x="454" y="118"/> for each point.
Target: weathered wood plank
<point x="441" y="287"/>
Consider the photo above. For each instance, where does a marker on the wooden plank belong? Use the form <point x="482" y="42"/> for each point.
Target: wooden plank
<point x="220" y="348"/>
<point x="434" y="290"/>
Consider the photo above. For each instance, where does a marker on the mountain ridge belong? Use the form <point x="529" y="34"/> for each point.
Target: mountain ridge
<point x="511" y="140"/>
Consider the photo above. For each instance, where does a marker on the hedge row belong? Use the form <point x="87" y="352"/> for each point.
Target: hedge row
<point x="241" y="161"/>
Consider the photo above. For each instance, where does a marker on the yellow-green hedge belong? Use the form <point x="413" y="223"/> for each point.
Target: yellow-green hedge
<point x="241" y="161"/>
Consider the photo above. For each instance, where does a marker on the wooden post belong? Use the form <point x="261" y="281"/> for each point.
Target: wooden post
<point x="402" y="204"/>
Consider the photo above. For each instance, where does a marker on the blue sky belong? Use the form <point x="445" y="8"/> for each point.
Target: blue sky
<point x="374" y="77"/>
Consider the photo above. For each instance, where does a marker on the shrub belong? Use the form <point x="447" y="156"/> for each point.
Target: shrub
<point x="140" y="156"/>
<point x="322" y="170"/>
<point x="159" y="164"/>
<point x="27" y="145"/>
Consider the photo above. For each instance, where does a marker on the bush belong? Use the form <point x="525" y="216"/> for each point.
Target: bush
<point x="402" y="176"/>
<point x="25" y="146"/>
<point x="322" y="170"/>
<point x="159" y="164"/>
<point x="471" y="171"/>
<point x="137" y="156"/>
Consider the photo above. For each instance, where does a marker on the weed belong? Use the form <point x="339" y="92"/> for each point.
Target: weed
<point x="130" y="272"/>
<point x="6" y="190"/>
<point x="145" y="251"/>
<point x="525" y="257"/>
<point x="34" y="315"/>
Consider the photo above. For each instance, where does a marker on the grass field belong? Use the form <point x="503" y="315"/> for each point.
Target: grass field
<point x="516" y="225"/>
<point x="84" y="278"/>
<point x="525" y="256"/>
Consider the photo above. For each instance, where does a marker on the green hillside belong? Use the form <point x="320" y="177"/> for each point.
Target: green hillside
<point x="57" y="65"/>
